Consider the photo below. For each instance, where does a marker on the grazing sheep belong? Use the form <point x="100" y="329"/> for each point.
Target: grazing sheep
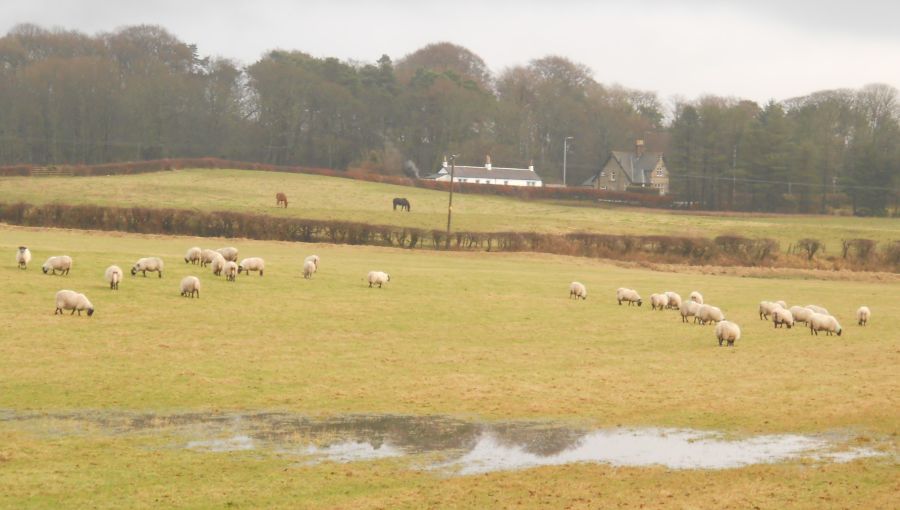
<point x="309" y="267"/>
<point x="252" y="264"/>
<point x="818" y="309"/>
<point x="766" y="308"/>
<point x="782" y="317"/>
<point x="801" y="314"/>
<point x="577" y="290"/>
<point x="378" y="277"/>
<point x="193" y="255"/>
<point x="781" y="304"/>
<point x="658" y="301"/>
<point x="707" y="314"/>
<point x="61" y="263"/>
<point x="727" y="331"/>
<point x="313" y="258"/>
<point x="821" y="322"/>
<point x="190" y="285"/>
<point x="674" y="300"/>
<point x="696" y="297"/>
<point x="280" y="198"/>
<point x="71" y="300"/>
<point x="114" y="275"/>
<point x="629" y="295"/>
<point x="23" y="257"/>
<point x="230" y="253"/>
<point x="207" y="256"/>
<point x="689" y="309"/>
<point x="152" y="264"/>
<point x="218" y="264"/>
<point x="863" y="314"/>
<point x="230" y="271"/>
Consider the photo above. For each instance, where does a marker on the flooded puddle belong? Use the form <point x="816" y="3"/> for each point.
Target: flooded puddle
<point x="446" y="444"/>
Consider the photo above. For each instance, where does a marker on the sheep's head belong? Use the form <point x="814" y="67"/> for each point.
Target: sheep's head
<point x="90" y="312"/>
<point x="388" y="276"/>
<point x="240" y="268"/>
<point x="134" y="270"/>
<point x="45" y="269"/>
<point x="186" y="260"/>
<point x="640" y="302"/>
<point x="23" y="248"/>
<point x="839" y="331"/>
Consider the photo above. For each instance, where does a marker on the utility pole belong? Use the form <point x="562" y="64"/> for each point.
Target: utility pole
<point x="450" y="204"/>
<point x="565" y="153"/>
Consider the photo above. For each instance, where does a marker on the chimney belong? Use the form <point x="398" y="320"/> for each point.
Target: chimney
<point x="487" y="163"/>
<point x="444" y="164"/>
<point x="639" y="148"/>
<point x="531" y="165"/>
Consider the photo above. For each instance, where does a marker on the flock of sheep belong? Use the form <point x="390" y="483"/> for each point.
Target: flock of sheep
<point x="815" y="317"/>
<point x="222" y="262"/>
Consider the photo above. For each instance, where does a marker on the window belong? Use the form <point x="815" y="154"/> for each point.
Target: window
<point x="612" y="176"/>
<point x="603" y="187"/>
<point x="477" y="181"/>
<point x="462" y="180"/>
<point x="602" y="173"/>
<point x="659" y="172"/>
<point x="506" y="183"/>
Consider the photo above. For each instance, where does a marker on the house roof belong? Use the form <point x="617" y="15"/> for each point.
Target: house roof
<point x="480" y="172"/>
<point x="637" y="169"/>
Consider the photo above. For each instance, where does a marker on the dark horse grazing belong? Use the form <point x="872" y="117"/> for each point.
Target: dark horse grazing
<point x="281" y="197"/>
<point x="402" y="202"/>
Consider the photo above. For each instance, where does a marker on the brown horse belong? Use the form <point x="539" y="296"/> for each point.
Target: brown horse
<point x="281" y="198"/>
<point x="403" y="203"/>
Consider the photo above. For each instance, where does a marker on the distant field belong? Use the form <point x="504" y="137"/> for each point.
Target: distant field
<point x="485" y="336"/>
<point x="328" y="198"/>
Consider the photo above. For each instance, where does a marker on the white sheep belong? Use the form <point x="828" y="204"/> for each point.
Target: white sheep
<point x="801" y="314"/>
<point x="674" y="300"/>
<point x="61" y="263"/>
<point x="822" y="322"/>
<point x="727" y="331"/>
<point x="766" y="308"/>
<point x="193" y="255"/>
<point x="207" y="256"/>
<point x="309" y="267"/>
<point x="314" y="258"/>
<point x="113" y="276"/>
<point x="190" y="285"/>
<point x="707" y="314"/>
<point x="71" y="300"/>
<point x="230" y="253"/>
<point x="628" y="295"/>
<point x="252" y="264"/>
<point x="577" y="290"/>
<point x="23" y="257"/>
<point x="818" y="309"/>
<point x="658" y="301"/>
<point x="696" y="297"/>
<point x="689" y="309"/>
<point x="781" y="304"/>
<point x="230" y="271"/>
<point x="782" y="317"/>
<point x="863" y="314"/>
<point x="218" y="264"/>
<point x="378" y="278"/>
<point x="152" y="264"/>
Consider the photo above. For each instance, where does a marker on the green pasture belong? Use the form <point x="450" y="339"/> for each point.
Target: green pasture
<point x="484" y="336"/>
<point x="330" y="198"/>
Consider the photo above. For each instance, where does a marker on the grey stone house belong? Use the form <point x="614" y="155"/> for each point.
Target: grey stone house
<point x="625" y="170"/>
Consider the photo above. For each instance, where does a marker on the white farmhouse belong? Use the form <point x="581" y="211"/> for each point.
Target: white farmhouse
<point x="489" y="174"/>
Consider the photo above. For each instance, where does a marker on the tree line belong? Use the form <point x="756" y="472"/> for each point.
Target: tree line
<point x="141" y="93"/>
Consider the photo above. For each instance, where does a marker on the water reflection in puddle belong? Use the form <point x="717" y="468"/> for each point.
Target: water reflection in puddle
<point x="449" y="445"/>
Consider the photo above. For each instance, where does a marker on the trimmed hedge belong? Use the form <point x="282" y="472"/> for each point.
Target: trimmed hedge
<point x="668" y="249"/>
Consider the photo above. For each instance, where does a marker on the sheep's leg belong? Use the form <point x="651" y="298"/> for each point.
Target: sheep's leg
<point x="160" y="274"/>
<point x="57" y="311"/>
<point x="73" y="312"/>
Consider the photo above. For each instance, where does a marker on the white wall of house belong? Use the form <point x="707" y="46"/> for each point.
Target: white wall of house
<point x="496" y="182"/>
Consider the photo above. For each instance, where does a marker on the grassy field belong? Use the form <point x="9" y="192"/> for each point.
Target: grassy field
<point x="329" y="198"/>
<point x="485" y="336"/>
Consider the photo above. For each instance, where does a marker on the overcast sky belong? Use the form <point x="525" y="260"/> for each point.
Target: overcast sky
<point x="760" y="50"/>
